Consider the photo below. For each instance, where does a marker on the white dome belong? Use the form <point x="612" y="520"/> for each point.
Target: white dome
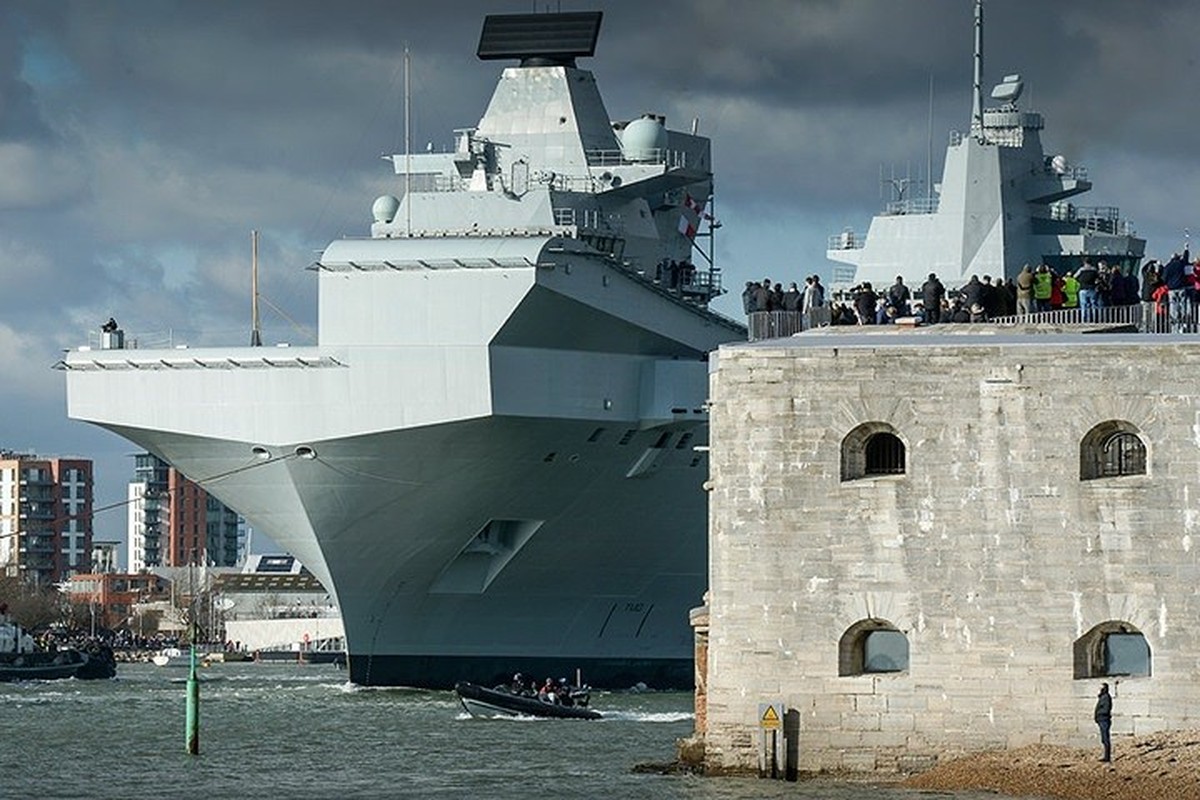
<point x="384" y="208"/>
<point x="644" y="139"/>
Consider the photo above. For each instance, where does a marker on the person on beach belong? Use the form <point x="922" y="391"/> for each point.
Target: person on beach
<point x="1103" y="717"/>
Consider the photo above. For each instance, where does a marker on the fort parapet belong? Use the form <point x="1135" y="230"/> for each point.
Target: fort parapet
<point x="939" y="540"/>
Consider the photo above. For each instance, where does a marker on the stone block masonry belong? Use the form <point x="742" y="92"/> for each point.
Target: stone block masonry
<point x="930" y="544"/>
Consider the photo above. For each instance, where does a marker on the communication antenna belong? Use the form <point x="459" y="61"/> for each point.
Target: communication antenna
<point x="407" y="146"/>
<point x="255" y="331"/>
<point x="977" y="101"/>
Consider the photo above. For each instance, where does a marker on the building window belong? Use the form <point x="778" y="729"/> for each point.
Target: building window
<point x="872" y="646"/>
<point x="1111" y="450"/>
<point x="1112" y="648"/>
<point x="871" y="450"/>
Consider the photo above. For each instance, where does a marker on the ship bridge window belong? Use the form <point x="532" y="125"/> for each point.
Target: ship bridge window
<point x="871" y="450"/>
<point x="872" y="646"/>
<point x="1112" y="649"/>
<point x="1112" y="449"/>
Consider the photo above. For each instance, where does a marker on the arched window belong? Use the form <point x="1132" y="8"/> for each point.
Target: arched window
<point x="1110" y="450"/>
<point x="872" y="449"/>
<point x="1112" y="648"/>
<point x="872" y="646"/>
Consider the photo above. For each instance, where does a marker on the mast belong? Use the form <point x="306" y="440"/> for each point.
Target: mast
<point x="977" y="97"/>
<point x="407" y="146"/>
<point x="255" y="332"/>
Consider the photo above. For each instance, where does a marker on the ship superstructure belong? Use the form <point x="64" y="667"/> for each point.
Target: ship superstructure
<point x="491" y="455"/>
<point x="1002" y="203"/>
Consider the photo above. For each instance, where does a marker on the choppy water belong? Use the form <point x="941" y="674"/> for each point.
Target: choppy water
<point x="278" y="731"/>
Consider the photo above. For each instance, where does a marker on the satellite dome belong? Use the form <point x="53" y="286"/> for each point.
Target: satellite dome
<point x="644" y="139"/>
<point x="384" y="208"/>
<point x="1059" y="164"/>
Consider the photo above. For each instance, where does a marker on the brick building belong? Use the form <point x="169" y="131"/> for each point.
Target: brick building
<point x="45" y="517"/>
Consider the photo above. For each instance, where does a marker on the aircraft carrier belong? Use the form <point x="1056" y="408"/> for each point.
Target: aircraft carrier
<point x="494" y="456"/>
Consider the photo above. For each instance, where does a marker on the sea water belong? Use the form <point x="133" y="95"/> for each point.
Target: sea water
<point x="290" y="730"/>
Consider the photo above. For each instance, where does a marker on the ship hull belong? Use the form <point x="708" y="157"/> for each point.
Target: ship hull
<point x="472" y="550"/>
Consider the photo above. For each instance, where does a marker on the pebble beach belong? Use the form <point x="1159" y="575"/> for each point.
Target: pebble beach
<point x="1162" y="766"/>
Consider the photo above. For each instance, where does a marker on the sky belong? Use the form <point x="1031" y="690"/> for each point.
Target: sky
<point x="142" y="140"/>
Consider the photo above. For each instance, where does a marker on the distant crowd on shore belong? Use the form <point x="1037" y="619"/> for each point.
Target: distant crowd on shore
<point x="1168" y="293"/>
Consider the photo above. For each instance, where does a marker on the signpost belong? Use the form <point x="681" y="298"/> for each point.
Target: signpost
<point x="770" y="721"/>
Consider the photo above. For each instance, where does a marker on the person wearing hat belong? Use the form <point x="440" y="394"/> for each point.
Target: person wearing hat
<point x="1103" y="717"/>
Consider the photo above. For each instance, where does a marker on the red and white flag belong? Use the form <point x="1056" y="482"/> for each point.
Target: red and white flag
<point x="693" y="212"/>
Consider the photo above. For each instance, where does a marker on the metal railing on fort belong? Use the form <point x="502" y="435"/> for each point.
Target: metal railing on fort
<point x="1184" y="317"/>
<point x="774" y="324"/>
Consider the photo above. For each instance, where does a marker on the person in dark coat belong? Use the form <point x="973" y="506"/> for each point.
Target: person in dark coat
<point x="899" y="297"/>
<point x="932" y="295"/>
<point x="747" y="297"/>
<point x="865" y="302"/>
<point x="1103" y="717"/>
<point x="972" y="293"/>
<point x="1151" y="280"/>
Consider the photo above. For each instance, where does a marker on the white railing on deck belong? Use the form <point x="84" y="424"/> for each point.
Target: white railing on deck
<point x="674" y="159"/>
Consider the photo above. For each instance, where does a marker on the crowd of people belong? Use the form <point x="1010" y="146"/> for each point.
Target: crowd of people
<point x="1168" y="293"/>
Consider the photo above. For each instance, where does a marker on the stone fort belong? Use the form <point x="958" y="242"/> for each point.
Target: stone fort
<point x="937" y="540"/>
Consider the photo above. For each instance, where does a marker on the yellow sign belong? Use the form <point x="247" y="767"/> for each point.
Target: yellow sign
<point x="770" y="716"/>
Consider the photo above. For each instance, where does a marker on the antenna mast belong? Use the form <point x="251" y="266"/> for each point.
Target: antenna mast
<point x="255" y="332"/>
<point x="407" y="146"/>
<point x="977" y="103"/>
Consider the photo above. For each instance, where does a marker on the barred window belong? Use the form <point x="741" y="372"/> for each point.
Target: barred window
<point x="885" y="455"/>
<point x="872" y="449"/>
<point x="1110" y="450"/>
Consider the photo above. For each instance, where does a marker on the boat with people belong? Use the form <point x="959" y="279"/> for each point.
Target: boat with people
<point x="22" y="660"/>
<point x="557" y="700"/>
<point x="494" y="456"/>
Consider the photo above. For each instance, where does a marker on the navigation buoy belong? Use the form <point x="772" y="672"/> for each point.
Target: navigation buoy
<point x="192" y="730"/>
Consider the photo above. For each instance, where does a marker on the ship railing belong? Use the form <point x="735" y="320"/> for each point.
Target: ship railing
<point x="432" y="182"/>
<point x="1075" y="173"/>
<point x="775" y="324"/>
<point x="1182" y="317"/>
<point x="916" y="205"/>
<point x="673" y="159"/>
<point x="163" y="340"/>
<point x="846" y="240"/>
<point x="1103" y="219"/>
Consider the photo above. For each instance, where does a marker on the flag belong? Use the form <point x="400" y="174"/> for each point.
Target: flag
<point x="693" y="212"/>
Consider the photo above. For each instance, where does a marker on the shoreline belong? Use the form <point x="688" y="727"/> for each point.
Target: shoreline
<point x="1164" y="766"/>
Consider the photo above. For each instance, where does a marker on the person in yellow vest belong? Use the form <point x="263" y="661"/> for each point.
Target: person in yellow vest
<point x="1070" y="291"/>
<point x="1043" y="287"/>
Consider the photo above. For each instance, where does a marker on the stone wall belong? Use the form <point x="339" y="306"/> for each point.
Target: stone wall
<point x="989" y="553"/>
